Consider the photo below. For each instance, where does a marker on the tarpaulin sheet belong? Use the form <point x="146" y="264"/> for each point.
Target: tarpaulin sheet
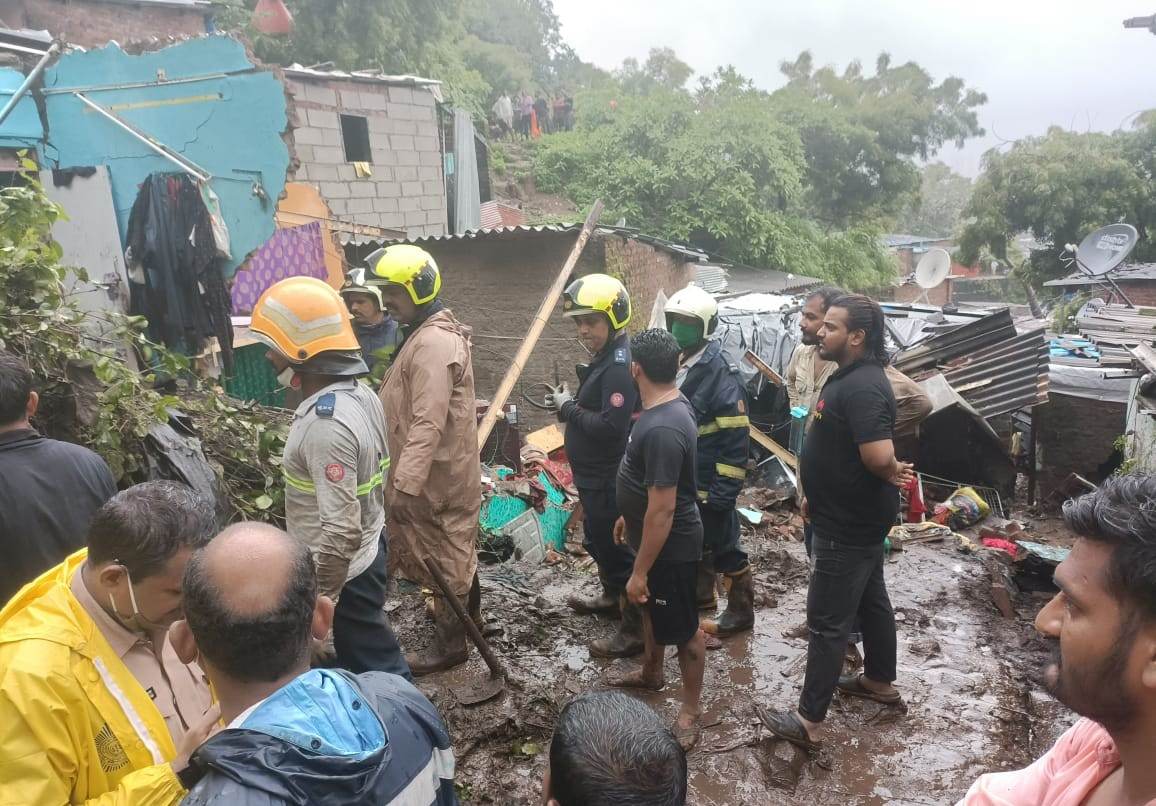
<point x="292" y="252"/>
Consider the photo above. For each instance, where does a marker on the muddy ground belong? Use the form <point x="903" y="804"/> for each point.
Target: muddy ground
<point x="969" y="677"/>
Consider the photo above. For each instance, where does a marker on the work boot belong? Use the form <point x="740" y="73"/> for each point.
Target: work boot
<point x="449" y="648"/>
<point x="605" y="601"/>
<point x="475" y="603"/>
<point x="706" y="592"/>
<point x="627" y="639"/>
<point x="740" y="613"/>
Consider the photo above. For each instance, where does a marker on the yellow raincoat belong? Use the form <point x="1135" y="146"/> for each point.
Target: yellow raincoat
<point x="75" y="726"/>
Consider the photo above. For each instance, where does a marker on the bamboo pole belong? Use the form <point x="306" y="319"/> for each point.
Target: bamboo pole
<point x="536" y="328"/>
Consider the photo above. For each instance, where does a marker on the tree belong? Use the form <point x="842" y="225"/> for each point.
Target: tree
<point x="1060" y="187"/>
<point x="724" y="176"/>
<point x="662" y="71"/>
<point x="862" y="134"/>
<point x="937" y="208"/>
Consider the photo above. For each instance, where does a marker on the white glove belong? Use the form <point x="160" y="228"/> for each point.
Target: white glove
<point x="559" y="397"/>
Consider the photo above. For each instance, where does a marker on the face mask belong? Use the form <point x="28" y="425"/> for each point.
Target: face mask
<point x="137" y="622"/>
<point x="285" y="377"/>
<point x="686" y="334"/>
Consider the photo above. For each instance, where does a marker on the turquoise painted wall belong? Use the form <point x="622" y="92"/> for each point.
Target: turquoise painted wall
<point x="22" y="129"/>
<point x="229" y="121"/>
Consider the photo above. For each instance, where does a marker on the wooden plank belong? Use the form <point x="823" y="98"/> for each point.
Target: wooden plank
<point x="788" y="458"/>
<point x="762" y="367"/>
<point x="548" y="439"/>
<point x="1145" y="355"/>
<point x="536" y="327"/>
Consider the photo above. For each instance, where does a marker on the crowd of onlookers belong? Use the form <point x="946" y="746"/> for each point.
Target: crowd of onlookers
<point x="527" y="116"/>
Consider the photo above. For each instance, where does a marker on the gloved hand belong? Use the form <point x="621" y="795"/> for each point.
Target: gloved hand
<point x="559" y="397"/>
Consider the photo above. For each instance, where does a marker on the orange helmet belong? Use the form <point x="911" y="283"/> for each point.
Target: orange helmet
<point x="301" y="317"/>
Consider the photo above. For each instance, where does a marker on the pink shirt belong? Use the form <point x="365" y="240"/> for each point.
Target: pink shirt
<point x="1064" y="776"/>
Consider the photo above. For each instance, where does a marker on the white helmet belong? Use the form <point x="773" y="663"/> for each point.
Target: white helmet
<point x="696" y="303"/>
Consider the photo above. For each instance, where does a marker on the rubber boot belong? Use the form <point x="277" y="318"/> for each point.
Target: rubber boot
<point x="475" y="603"/>
<point x="605" y="601"/>
<point x="706" y="592"/>
<point x="627" y="639"/>
<point x="449" y="647"/>
<point x="740" y="613"/>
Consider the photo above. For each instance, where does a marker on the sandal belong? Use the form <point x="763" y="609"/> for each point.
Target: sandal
<point x="852" y="685"/>
<point x="785" y="725"/>
<point x="687" y="737"/>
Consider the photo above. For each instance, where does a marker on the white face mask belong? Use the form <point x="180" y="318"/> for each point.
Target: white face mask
<point x="285" y="377"/>
<point x="137" y="622"/>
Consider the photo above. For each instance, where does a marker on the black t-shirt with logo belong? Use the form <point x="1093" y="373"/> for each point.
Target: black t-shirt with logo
<point x="660" y="453"/>
<point x="847" y="502"/>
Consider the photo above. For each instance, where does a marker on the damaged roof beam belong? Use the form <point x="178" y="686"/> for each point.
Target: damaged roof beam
<point x="160" y="148"/>
<point x="28" y="82"/>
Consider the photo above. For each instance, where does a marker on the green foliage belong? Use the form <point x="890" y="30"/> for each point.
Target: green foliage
<point x="83" y="370"/>
<point x="937" y="209"/>
<point x="1064" y="315"/>
<point x="1061" y="186"/>
<point x="861" y="134"/>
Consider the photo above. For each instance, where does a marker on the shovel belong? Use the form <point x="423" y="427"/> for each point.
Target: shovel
<point x="496" y="684"/>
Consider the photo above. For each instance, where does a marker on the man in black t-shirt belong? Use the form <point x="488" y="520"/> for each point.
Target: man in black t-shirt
<point x="657" y="498"/>
<point x="852" y="499"/>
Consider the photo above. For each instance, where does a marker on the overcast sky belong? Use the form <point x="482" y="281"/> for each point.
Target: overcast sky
<point x="1069" y="63"/>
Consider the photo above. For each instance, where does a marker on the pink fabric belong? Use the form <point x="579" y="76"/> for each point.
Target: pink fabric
<point x="1064" y="776"/>
<point x="291" y="252"/>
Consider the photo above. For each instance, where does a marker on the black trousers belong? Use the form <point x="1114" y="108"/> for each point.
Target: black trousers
<point x="600" y="509"/>
<point x="362" y="637"/>
<point x="808" y="536"/>
<point x="847" y="581"/>
<point x="720" y="539"/>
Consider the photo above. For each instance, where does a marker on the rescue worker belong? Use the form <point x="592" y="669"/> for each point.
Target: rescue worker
<point x="95" y="705"/>
<point x="597" y="423"/>
<point x="334" y="465"/>
<point x="434" y="492"/>
<point x="714" y="387"/>
<point x="376" y="330"/>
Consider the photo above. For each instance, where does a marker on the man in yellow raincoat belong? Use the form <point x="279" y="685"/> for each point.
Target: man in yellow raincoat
<point x="95" y="706"/>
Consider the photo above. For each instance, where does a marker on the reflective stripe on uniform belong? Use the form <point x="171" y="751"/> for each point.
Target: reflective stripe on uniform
<point x="376" y="480"/>
<point x="737" y="421"/>
<point x="730" y="471"/>
<point x="703" y="495"/>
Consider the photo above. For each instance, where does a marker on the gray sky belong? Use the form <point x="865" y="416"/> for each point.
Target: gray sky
<point x="1069" y="63"/>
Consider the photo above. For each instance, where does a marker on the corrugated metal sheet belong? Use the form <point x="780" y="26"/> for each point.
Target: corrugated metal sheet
<point x="711" y="277"/>
<point x="497" y="214"/>
<point x="369" y="76"/>
<point x="994" y="366"/>
<point x="1129" y="272"/>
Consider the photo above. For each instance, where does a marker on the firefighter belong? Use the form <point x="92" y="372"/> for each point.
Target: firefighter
<point x="376" y="331"/>
<point x="712" y="384"/>
<point x="597" y="422"/>
<point x="334" y="465"/>
<point x="435" y="488"/>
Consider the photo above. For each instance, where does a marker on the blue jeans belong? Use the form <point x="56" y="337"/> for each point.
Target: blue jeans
<point x="847" y="582"/>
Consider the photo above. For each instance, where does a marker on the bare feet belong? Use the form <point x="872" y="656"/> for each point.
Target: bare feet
<point x="637" y="678"/>
<point x="687" y="729"/>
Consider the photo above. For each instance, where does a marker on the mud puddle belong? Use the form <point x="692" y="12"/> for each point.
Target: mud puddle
<point x="968" y="677"/>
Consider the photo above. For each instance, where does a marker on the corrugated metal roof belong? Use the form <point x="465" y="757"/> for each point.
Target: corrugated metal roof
<point x="711" y="277"/>
<point x="994" y="366"/>
<point x="199" y="5"/>
<point x="1129" y="271"/>
<point x="524" y="231"/>
<point x="747" y="279"/>
<point x="370" y="76"/>
<point x="897" y="240"/>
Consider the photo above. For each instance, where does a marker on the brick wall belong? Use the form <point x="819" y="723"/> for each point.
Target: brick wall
<point x="495" y="287"/>
<point x="1140" y="292"/>
<point x="1077" y="436"/>
<point x="406" y="191"/>
<point x="91" y="23"/>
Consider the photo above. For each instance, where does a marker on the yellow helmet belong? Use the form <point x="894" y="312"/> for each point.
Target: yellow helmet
<point x="301" y="317"/>
<point x="598" y="293"/>
<point x="408" y="266"/>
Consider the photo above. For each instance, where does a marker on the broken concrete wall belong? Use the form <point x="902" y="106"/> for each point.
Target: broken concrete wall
<point x="203" y="98"/>
<point x="406" y="190"/>
<point x="23" y="128"/>
<point x="1077" y="435"/>
<point x="93" y="23"/>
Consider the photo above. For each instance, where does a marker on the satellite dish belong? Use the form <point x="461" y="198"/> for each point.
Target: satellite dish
<point x="933" y="268"/>
<point x="1105" y="249"/>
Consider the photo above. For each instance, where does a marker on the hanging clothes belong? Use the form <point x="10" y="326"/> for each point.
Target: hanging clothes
<point x="175" y="278"/>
